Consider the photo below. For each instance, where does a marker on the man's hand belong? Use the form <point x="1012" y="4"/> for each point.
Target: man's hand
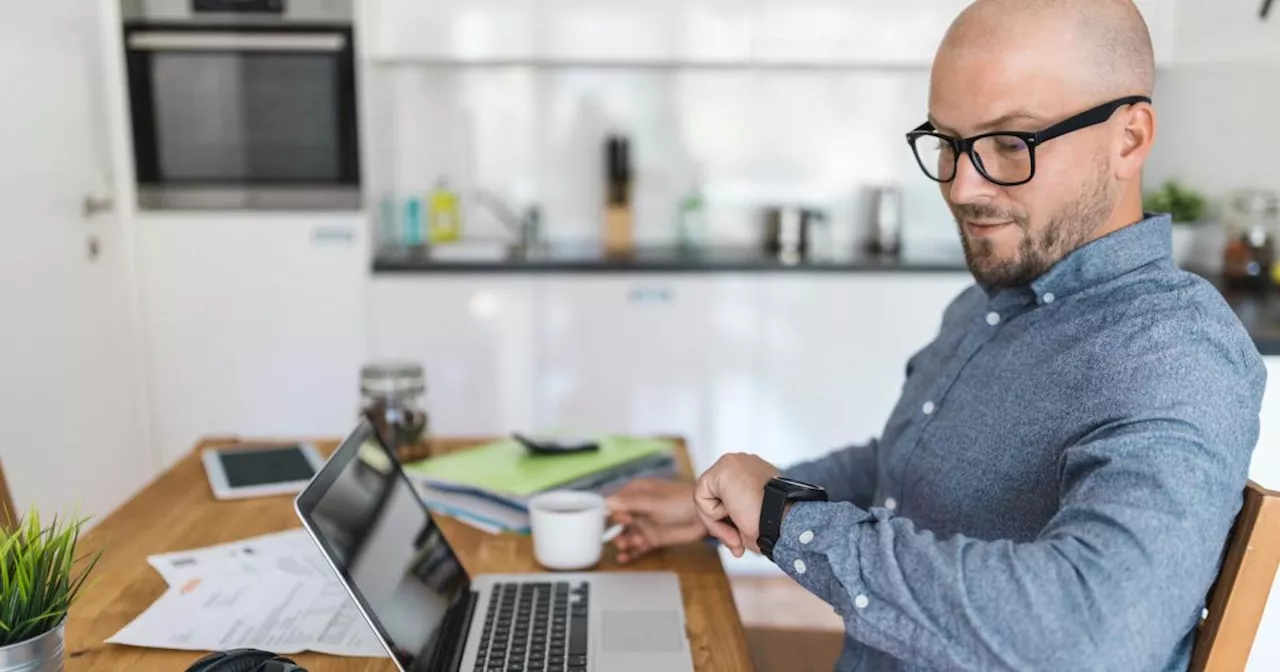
<point x="656" y="513"/>
<point x="729" y="496"/>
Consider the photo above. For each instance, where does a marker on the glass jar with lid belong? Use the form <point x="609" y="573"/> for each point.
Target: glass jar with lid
<point x="1249" y="257"/>
<point x="393" y="394"/>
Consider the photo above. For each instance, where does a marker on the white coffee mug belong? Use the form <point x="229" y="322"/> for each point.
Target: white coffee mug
<point x="568" y="529"/>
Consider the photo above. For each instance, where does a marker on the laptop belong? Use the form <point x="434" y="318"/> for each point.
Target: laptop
<point x="431" y="615"/>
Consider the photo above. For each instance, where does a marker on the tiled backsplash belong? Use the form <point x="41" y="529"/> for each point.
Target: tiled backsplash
<point x="768" y="101"/>
<point x="819" y="138"/>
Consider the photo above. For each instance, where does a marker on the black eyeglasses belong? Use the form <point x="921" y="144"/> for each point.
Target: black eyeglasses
<point x="1007" y="158"/>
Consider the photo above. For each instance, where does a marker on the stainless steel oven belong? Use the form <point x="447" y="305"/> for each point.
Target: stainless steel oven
<point x="243" y="104"/>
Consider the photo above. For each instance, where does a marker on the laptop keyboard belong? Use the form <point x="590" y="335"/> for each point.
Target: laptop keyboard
<point x="535" y="627"/>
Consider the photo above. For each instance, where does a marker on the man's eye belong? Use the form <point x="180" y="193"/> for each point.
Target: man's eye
<point x="1010" y="143"/>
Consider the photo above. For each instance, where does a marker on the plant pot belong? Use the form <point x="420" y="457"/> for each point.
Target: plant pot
<point x="42" y="653"/>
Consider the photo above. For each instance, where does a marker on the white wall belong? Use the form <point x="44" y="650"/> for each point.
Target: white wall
<point x="1217" y="125"/>
<point x="1217" y="106"/>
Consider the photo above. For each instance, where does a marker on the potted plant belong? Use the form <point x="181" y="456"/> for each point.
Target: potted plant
<point x="1187" y="208"/>
<point x="40" y="577"/>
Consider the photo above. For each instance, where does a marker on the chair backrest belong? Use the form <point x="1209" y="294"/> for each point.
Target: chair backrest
<point x="8" y="514"/>
<point x="1240" y="593"/>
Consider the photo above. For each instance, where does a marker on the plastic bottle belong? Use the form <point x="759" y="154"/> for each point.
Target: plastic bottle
<point x="445" y="215"/>
<point x="692" y="217"/>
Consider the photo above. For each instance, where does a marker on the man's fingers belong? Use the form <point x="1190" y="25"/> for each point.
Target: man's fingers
<point x="638" y="496"/>
<point x="727" y="534"/>
<point x="634" y="546"/>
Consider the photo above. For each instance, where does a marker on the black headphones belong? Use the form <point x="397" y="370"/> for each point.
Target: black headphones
<point x="244" y="660"/>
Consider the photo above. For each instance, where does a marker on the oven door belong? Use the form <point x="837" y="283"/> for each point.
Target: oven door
<point x="244" y="116"/>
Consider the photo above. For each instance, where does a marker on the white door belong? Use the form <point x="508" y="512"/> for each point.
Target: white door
<point x="71" y="431"/>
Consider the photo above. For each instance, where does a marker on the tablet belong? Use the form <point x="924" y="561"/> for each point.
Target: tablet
<point x="241" y="471"/>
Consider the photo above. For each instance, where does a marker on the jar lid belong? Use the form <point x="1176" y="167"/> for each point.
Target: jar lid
<point x="392" y="377"/>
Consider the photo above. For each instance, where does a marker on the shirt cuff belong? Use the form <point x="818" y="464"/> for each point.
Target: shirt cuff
<point x="804" y="548"/>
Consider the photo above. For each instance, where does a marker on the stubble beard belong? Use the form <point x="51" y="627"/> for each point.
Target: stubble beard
<point x="1037" y="252"/>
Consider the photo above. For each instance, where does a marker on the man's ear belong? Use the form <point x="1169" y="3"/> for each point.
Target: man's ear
<point x="1137" y="136"/>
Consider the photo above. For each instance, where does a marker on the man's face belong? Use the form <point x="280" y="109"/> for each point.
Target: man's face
<point x="1012" y="235"/>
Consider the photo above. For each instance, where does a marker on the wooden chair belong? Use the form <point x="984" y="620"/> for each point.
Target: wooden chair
<point x="8" y="514"/>
<point x="1240" y="593"/>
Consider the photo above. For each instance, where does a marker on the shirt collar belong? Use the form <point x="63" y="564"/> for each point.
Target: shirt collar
<point x="1095" y="262"/>
<point x="1106" y="258"/>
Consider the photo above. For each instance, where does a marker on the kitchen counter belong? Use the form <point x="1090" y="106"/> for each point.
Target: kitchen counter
<point x="590" y="259"/>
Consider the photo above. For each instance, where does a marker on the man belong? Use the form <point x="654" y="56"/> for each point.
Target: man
<point x="1055" y="485"/>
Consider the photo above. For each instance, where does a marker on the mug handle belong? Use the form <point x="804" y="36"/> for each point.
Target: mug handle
<point x="612" y="533"/>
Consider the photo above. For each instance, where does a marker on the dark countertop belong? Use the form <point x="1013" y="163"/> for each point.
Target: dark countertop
<point x="589" y="259"/>
<point x="1261" y="317"/>
<point x="1258" y="311"/>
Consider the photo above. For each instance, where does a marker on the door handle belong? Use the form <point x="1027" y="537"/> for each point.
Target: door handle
<point x="92" y="205"/>
<point x="650" y="294"/>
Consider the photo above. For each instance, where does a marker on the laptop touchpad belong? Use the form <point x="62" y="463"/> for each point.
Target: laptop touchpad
<point x="642" y="632"/>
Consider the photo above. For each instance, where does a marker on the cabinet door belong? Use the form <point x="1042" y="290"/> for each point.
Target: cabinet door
<point x="255" y="324"/>
<point x="647" y="354"/>
<point x="834" y="354"/>
<point x="473" y="333"/>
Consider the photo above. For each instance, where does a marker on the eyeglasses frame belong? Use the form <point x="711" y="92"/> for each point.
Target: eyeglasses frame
<point x="1090" y="117"/>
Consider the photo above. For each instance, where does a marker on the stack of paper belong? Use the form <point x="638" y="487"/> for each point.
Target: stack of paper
<point x="273" y="592"/>
<point x="489" y="486"/>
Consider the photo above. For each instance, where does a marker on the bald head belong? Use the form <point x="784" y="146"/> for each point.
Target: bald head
<point x="1104" y="44"/>
<point x="1008" y="68"/>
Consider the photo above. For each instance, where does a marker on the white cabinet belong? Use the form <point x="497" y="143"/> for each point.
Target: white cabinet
<point x="788" y="366"/>
<point x="648" y="353"/>
<point x="449" y="29"/>
<point x="255" y="324"/>
<point x="861" y="32"/>
<point x="473" y="333"/>
<point x="1265" y="467"/>
<point x="833" y="354"/>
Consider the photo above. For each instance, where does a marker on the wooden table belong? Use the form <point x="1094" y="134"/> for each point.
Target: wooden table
<point x="177" y="511"/>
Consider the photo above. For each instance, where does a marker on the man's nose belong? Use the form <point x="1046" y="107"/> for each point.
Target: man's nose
<point x="969" y="185"/>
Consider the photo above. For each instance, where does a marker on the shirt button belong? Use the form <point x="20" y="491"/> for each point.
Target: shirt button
<point x="928" y="408"/>
<point x="993" y="318"/>
<point x="799" y="565"/>
<point x="1049" y="297"/>
<point x="891" y="504"/>
<point x="861" y="601"/>
<point x="806" y="536"/>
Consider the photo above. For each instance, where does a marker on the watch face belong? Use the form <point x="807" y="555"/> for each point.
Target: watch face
<point x="795" y="484"/>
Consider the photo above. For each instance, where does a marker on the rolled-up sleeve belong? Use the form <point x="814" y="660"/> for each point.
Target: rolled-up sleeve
<point x="1113" y="582"/>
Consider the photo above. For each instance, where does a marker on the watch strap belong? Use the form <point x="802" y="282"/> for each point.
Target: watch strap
<point x="771" y="510"/>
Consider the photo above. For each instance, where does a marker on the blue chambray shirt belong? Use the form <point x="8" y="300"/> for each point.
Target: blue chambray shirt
<point x="1054" y="488"/>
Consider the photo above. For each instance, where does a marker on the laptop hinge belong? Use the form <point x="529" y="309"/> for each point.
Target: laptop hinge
<point x="457" y="633"/>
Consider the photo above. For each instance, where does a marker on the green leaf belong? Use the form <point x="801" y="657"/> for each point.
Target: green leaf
<point x="41" y="575"/>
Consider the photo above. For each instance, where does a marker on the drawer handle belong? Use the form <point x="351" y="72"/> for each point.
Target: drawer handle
<point x="341" y="234"/>
<point x="650" y="295"/>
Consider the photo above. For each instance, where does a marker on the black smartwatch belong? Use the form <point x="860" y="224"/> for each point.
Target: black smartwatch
<point x="777" y="493"/>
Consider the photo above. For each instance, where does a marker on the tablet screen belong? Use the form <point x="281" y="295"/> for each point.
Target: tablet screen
<point x="265" y="466"/>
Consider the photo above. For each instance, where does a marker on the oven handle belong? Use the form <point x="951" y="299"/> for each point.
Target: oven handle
<point x="159" y="40"/>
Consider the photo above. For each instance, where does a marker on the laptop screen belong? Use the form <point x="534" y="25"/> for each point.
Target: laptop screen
<point x="378" y="535"/>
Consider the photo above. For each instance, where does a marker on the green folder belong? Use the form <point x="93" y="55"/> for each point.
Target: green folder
<point x="507" y="468"/>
